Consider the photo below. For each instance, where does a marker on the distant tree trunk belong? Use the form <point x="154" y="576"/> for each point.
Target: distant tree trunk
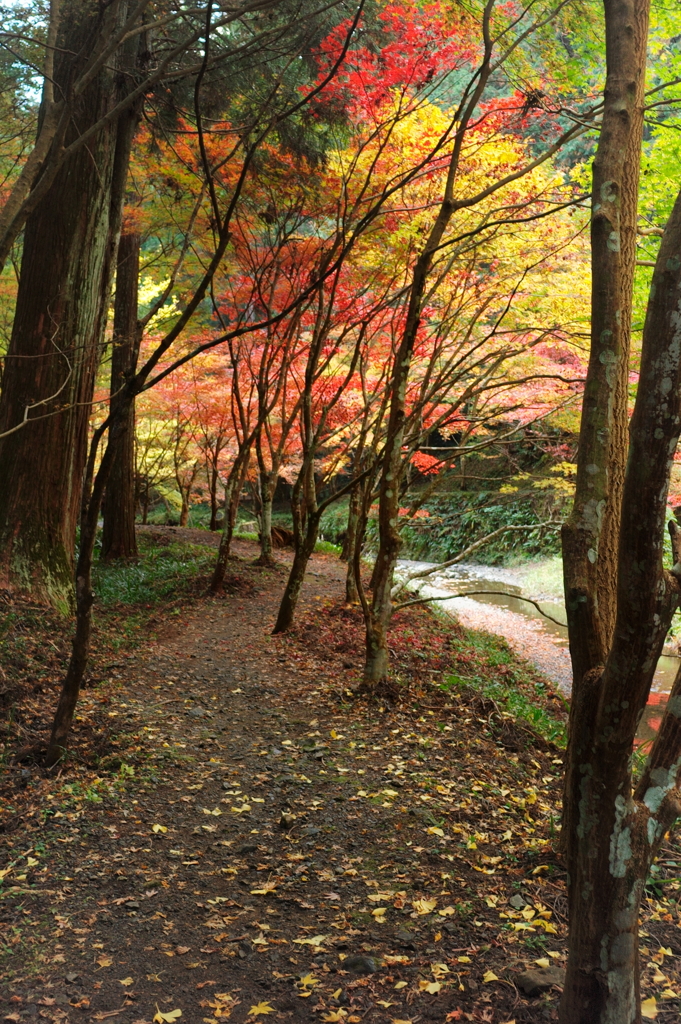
<point x="268" y="483"/>
<point x="214" y="478"/>
<point x="233" y="488"/>
<point x="306" y="518"/>
<point x="118" y="507"/>
<point x="69" y="251"/>
<point x="352" y="540"/>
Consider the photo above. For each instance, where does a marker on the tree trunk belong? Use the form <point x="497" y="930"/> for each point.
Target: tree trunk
<point x="296" y="578"/>
<point x="614" y="833"/>
<point x="351" y="541"/>
<point x="268" y="483"/>
<point x="118" y="507"/>
<point x="69" y="250"/>
<point x="214" y="507"/>
<point x="233" y="487"/>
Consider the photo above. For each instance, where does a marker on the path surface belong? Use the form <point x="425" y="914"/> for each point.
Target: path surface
<point x="275" y="851"/>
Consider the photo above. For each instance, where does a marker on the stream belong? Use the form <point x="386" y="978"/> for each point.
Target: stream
<point x="497" y="607"/>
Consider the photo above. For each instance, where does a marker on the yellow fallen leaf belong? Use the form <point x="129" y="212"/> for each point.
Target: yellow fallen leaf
<point x="334" y="1016"/>
<point x="379" y="914"/>
<point x="423" y="907"/>
<point x="543" y="961"/>
<point x="383" y="1003"/>
<point x="312" y="940"/>
<point x="434" y="831"/>
<point x="401" y="984"/>
<point x="261" y="1008"/>
<point x="399" y="1020"/>
<point x="669" y="994"/>
<point x="649" y="1008"/>
<point x="489" y="976"/>
<point x="446" y="911"/>
<point x="216" y="811"/>
<point x="308" y="981"/>
<point x="431" y="987"/>
<point x="166" y="1018"/>
<point x="159" y="828"/>
<point x="105" y="961"/>
<point x="439" y="970"/>
<point x="5" y="872"/>
<point x="266" y="888"/>
<point x="31" y="862"/>
<point x="464" y="960"/>
<point x="125" y="981"/>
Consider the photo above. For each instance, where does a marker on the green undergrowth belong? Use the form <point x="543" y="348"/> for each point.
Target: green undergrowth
<point x="162" y="572"/>
<point x="489" y="667"/>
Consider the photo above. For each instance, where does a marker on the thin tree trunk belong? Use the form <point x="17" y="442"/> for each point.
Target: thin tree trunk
<point x="69" y="251"/>
<point x="350" y="545"/>
<point x="118" y="507"/>
<point x="233" y="487"/>
<point x="296" y="577"/>
<point x="214" y="478"/>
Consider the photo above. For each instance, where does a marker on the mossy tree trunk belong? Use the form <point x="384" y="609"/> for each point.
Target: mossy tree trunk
<point x="68" y="255"/>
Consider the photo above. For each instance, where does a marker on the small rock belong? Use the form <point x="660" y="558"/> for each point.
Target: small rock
<point x="360" y="965"/>
<point x="286" y="820"/>
<point x="72" y="977"/>
<point x="539" y="980"/>
<point x="517" y="902"/>
<point x="132" y="905"/>
<point x="311" y="830"/>
<point x="406" y="938"/>
<point x="196" y="712"/>
<point x="247" y="848"/>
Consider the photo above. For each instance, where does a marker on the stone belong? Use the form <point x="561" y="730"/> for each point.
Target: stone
<point x="540" y="979"/>
<point x="517" y="902"/>
<point x="406" y="938"/>
<point x="72" y="977"/>
<point x="248" y="848"/>
<point x="360" y="965"/>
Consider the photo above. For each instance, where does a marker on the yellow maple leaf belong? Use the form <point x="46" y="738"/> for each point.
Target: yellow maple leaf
<point x="261" y="1008"/>
<point x="166" y="1018"/>
<point x="649" y="1008"/>
<point x="125" y="981"/>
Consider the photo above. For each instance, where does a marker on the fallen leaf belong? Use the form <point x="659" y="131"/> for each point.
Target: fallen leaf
<point x="489" y="976"/>
<point x="126" y="981"/>
<point x="182" y="949"/>
<point x="313" y="940"/>
<point x="105" y="961"/>
<point x="423" y="907"/>
<point x="332" y="1017"/>
<point x="649" y="1008"/>
<point x="446" y="911"/>
<point x="166" y="1018"/>
<point x="543" y="961"/>
<point x="261" y="1008"/>
<point x="401" y="984"/>
<point x="434" y="831"/>
<point x="383" y="1003"/>
<point x="431" y="987"/>
<point x="159" y="828"/>
<point x="216" y="811"/>
<point x="464" y="960"/>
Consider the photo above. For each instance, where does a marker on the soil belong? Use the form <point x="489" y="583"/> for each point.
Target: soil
<point x="235" y="835"/>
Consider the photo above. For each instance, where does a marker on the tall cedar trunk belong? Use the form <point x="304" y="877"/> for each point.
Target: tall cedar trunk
<point x="69" y="250"/>
<point x="233" y="487"/>
<point x="614" y="833"/>
<point x="118" y="507"/>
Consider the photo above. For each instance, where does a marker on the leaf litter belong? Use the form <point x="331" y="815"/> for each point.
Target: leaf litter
<point x="391" y="860"/>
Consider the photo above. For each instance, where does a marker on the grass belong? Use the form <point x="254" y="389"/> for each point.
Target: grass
<point x="162" y="572"/>
<point x="515" y="686"/>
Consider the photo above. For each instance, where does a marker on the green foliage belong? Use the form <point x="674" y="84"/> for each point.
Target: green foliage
<point x="163" y="572"/>
<point x="461" y="518"/>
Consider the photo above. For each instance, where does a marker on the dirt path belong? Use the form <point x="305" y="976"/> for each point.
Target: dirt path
<point x="279" y="851"/>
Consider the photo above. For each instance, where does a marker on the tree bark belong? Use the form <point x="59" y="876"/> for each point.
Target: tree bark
<point x="118" y="507"/>
<point x="233" y="487"/>
<point x="69" y="250"/>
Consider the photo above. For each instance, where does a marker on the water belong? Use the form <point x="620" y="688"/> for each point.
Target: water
<point x="503" y="588"/>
